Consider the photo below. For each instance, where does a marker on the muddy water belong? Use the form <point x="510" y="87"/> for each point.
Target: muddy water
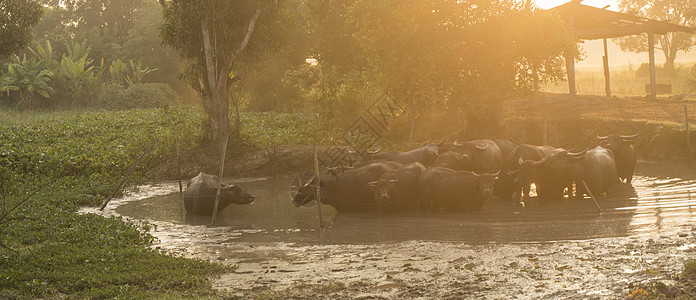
<point x="556" y="249"/>
<point x="653" y="203"/>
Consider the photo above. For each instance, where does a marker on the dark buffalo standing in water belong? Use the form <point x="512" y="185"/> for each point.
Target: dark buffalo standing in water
<point x="398" y="189"/>
<point x="506" y="147"/>
<point x="346" y="190"/>
<point x="624" y="154"/>
<point x="447" y="189"/>
<point x="524" y="162"/>
<point x="484" y="155"/>
<point x="596" y="167"/>
<point x="199" y="197"/>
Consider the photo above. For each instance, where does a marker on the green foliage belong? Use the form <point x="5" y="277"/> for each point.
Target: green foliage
<point x="28" y="77"/>
<point x="459" y="55"/>
<point x="285" y="129"/>
<point x="17" y="17"/>
<point x="140" y="95"/>
<point x="128" y="74"/>
<point x="75" y="159"/>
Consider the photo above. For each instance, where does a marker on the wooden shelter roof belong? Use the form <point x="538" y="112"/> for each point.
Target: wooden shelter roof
<point x="590" y="23"/>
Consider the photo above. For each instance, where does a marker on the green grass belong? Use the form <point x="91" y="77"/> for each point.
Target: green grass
<point x="72" y="159"/>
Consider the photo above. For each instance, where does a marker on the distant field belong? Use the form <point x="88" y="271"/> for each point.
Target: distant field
<point x="626" y="81"/>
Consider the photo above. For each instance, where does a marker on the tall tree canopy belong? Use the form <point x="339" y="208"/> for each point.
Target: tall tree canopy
<point x="675" y="11"/>
<point x="212" y="36"/>
<point x="451" y="53"/>
<point x="17" y="18"/>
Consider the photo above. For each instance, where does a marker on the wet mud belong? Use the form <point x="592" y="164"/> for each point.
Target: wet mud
<point x="552" y="249"/>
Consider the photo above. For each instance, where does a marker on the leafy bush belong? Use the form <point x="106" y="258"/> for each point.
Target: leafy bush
<point x="139" y="95"/>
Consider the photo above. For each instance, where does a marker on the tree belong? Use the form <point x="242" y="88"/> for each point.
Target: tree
<point x="212" y="36"/>
<point x="674" y="11"/>
<point x="17" y="18"/>
<point x="451" y="54"/>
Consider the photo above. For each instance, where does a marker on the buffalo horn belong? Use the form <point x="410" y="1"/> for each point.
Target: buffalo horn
<point x="374" y="151"/>
<point x="482" y="147"/>
<point x="628" y="137"/>
<point x="496" y="174"/>
<point x="372" y="184"/>
<point x="392" y="181"/>
<point x="441" y="142"/>
<point x="535" y="163"/>
<point x="601" y="137"/>
<point x="578" y="154"/>
<point x="458" y="143"/>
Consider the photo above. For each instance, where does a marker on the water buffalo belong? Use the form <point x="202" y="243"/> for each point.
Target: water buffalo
<point x="448" y="189"/>
<point x="521" y="162"/>
<point x="199" y="197"/>
<point x="425" y="154"/>
<point x="346" y="190"/>
<point x="624" y="154"/>
<point x="398" y="189"/>
<point x="485" y="155"/>
<point x="453" y="160"/>
<point x="506" y="147"/>
<point x="595" y="166"/>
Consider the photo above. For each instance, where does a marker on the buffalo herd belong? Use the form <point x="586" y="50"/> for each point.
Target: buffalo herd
<point x="465" y="175"/>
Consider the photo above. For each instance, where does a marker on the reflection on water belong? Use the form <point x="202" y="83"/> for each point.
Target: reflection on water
<point x="651" y="204"/>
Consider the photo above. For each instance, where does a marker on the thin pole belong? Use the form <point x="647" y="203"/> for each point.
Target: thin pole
<point x="413" y="124"/>
<point x="317" y="195"/>
<point x="178" y="177"/>
<point x="570" y="62"/>
<point x="688" y="135"/>
<point x="118" y="187"/>
<point x="592" y="196"/>
<point x="605" y="61"/>
<point x="274" y="159"/>
<point x="222" y="168"/>
<point x="651" y="57"/>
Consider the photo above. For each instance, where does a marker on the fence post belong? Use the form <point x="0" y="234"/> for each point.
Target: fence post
<point x="317" y="191"/>
<point x="688" y="136"/>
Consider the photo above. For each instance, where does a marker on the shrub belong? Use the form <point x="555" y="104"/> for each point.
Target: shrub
<point x="140" y="95"/>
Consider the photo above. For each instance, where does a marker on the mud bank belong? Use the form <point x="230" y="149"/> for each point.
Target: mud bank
<point x="554" y="250"/>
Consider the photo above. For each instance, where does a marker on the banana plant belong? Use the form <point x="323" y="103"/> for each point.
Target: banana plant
<point x="128" y="74"/>
<point x="28" y="77"/>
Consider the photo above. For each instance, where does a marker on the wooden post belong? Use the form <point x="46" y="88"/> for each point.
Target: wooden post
<point x="570" y="62"/>
<point x="219" y="187"/>
<point x="413" y="124"/>
<point x="651" y="56"/>
<point x="178" y="177"/>
<point x="317" y="190"/>
<point x="605" y="60"/>
<point x="545" y="132"/>
<point x="274" y="159"/>
<point x="118" y="187"/>
<point x="688" y="136"/>
<point x="592" y="196"/>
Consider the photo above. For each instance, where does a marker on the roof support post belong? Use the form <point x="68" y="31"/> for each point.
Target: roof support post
<point x="605" y="60"/>
<point x="570" y="61"/>
<point x="651" y="53"/>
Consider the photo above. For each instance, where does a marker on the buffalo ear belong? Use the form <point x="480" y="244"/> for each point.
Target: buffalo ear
<point x="372" y="185"/>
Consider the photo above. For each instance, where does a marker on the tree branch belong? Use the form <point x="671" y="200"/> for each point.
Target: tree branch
<point x="245" y="42"/>
<point x="208" y="59"/>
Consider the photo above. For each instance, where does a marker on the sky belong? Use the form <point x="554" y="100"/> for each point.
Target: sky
<point x="594" y="50"/>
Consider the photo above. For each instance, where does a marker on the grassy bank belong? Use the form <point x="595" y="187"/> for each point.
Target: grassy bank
<point x="52" y="163"/>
